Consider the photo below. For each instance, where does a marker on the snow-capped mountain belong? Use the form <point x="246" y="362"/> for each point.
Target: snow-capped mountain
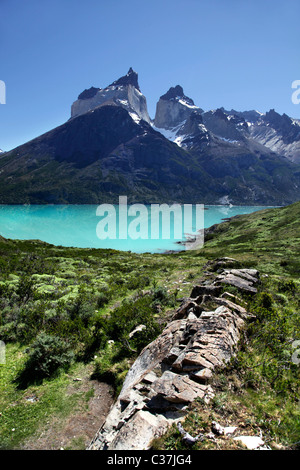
<point x="124" y="92"/>
<point x="173" y="108"/>
<point x="110" y="146"/>
<point x="176" y="117"/>
<point x="278" y="132"/>
<point x="179" y="119"/>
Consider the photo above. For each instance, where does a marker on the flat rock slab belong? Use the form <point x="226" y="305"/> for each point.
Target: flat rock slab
<point x="141" y="429"/>
<point x="238" y="282"/>
<point x="180" y="388"/>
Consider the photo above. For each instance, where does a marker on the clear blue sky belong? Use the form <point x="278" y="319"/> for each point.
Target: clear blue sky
<point x="232" y="53"/>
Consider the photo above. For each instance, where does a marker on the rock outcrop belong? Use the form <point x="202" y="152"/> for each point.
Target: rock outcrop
<point x="124" y="92"/>
<point x="173" y="108"/>
<point x="178" y="367"/>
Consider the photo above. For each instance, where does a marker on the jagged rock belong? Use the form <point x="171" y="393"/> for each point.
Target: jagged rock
<point x="173" y="354"/>
<point x="180" y="388"/>
<point x="185" y="308"/>
<point x="175" y="369"/>
<point x="150" y="378"/>
<point x="88" y="93"/>
<point x="232" y="297"/>
<point x="130" y="79"/>
<point x="153" y="354"/>
<point x="238" y="309"/>
<point x="124" y="92"/>
<point x="212" y="344"/>
<point x="205" y="290"/>
<point x="202" y="376"/>
<point x="238" y="281"/>
<point x="143" y="428"/>
<point x="173" y="108"/>
<point x="221" y="263"/>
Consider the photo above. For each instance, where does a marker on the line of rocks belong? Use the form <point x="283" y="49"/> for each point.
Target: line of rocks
<point x="178" y="366"/>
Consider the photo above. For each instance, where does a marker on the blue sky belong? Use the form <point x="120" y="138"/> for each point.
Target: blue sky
<point x="232" y="53"/>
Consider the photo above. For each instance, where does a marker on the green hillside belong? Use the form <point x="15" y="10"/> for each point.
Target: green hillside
<point x="268" y="239"/>
<point x="66" y="315"/>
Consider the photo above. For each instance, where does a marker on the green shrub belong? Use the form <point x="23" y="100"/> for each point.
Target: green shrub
<point x="138" y="282"/>
<point x="25" y="289"/>
<point x="83" y="306"/>
<point x="109" y="368"/>
<point x="265" y="300"/>
<point x="287" y="286"/>
<point x="46" y="355"/>
<point x="102" y="299"/>
<point x="160" y="294"/>
<point x="127" y="317"/>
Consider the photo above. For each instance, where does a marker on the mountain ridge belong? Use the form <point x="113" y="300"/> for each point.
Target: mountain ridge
<point x="111" y="146"/>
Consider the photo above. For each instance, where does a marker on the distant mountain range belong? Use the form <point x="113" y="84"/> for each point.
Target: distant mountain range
<point x="110" y="146"/>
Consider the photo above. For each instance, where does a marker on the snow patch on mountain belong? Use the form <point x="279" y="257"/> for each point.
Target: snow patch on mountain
<point x="169" y="134"/>
<point x="123" y="92"/>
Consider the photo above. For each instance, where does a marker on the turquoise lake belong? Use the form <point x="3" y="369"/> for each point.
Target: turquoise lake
<point x="76" y="225"/>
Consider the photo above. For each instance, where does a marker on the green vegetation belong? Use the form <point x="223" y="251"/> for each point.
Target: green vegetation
<point x="259" y="390"/>
<point x="64" y="309"/>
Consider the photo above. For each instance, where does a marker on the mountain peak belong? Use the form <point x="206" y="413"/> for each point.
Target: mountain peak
<point x="124" y="92"/>
<point x="173" y="92"/>
<point x="131" y="78"/>
<point x="177" y="94"/>
<point x="173" y="108"/>
<point x="88" y="93"/>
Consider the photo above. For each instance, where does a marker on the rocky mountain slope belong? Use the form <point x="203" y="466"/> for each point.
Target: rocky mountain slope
<point x="110" y="146"/>
<point x="281" y="134"/>
<point x="124" y="92"/>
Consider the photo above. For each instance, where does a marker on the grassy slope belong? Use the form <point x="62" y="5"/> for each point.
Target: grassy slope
<point x="259" y="391"/>
<point x="268" y="240"/>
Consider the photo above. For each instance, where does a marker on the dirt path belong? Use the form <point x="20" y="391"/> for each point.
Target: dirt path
<point x="76" y="431"/>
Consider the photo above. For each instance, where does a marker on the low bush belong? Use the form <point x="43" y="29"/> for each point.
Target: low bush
<point x="45" y="356"/>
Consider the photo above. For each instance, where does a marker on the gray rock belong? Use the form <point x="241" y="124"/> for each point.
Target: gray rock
<point x="236" y="281"/>
<point x="180" y="388"/>
<point x="140" y="431"/>
<point x="202" y="376"/>
<point x="176" y="368"/>
<point x="205" y="290"/>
